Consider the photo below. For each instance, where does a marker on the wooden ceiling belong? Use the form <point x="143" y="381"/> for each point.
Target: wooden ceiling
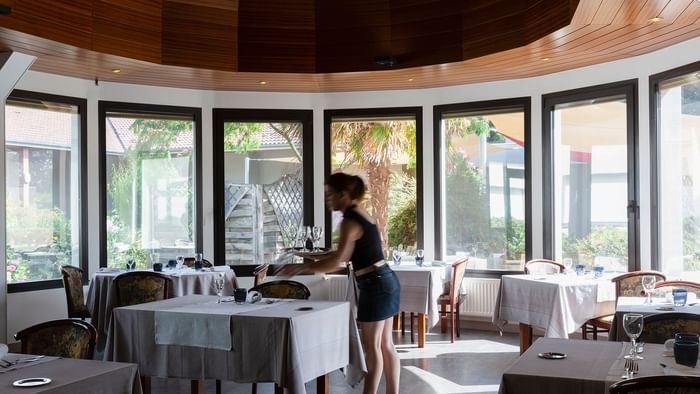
<point x="327" y="46"/>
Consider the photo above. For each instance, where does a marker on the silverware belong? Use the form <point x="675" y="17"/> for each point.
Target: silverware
<point x="628" y="366"/>
<point x="634" y="368"/>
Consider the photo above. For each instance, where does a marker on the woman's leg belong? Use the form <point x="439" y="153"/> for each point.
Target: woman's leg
<point x="371" y="333"/>
<point x="392" y="365"/>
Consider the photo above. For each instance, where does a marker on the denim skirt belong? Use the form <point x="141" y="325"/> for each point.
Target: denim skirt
<point x="379" y="295"/>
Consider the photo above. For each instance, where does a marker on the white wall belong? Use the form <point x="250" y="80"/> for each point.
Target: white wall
<point x="639" y="67"/>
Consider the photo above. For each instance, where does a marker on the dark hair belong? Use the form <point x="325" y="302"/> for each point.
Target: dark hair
<point x="342" y="182"/>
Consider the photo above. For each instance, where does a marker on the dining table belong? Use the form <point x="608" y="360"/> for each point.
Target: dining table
<point x="288" y="342"/>
<point x="582" y="366"/>
<point x="641" y="306"/>
<point x="421" y="287"/>
<point x="101" y="296"/>
<point x="58" y="375"/>
<point x="557" y="303"/>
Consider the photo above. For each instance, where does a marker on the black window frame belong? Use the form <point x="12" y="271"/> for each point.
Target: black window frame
<point x="384" y="112"/>
<point x="524" y="103"/>
<point x="655" y="153"/>
<point x="258" y="115"/>
<point x="629" y="89"/>
<point x="105" y="107"/>
<point x="82" y="105"/>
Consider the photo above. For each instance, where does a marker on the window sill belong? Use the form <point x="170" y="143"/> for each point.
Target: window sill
<point x="34" y="286"/>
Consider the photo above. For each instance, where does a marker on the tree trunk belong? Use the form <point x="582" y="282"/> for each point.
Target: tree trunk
<point x="379" y="196"/>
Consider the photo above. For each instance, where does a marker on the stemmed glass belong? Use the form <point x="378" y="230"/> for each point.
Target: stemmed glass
<point x="648" y="282"/>
<point x="155" y="257"/>
<point x="219" y="284"/>
<point x="633" y="324"/>
<point x="180" y="262"/>
<point x="396" y="255"/>
<point x="308" y="239"/>
<point x="419" y="257"/>
<point x="316" y="233"/>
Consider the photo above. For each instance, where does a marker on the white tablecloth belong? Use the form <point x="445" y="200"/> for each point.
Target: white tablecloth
<point x="420" y="289"/>
<point x="72" y="376"/>
<point x="589" y="367"/>
<point x="100" y="298"/>
<point x="280" y="344"/>
<point x="558" y="303"/>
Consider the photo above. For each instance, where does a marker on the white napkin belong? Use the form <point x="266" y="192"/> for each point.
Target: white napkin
<point x="3" y="350"/>
<point x="677" y="369"/>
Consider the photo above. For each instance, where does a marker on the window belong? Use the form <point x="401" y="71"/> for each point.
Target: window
<point x="482" y="188"/>
<point x="675" y="152"/>
<point x="45" y="166"/>
<point x="263" y="189"/>
<point x="590" y="177"/>
<point x="382" y="147"/>
<point x="151" y="182"/>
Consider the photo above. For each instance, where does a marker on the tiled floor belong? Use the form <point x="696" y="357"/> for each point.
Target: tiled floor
<point x="473" y="364"/>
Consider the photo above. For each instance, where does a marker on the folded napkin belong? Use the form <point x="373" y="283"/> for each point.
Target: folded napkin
<point x="677" y="369"/>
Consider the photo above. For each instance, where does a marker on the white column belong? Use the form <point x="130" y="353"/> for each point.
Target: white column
<point x="12" y="66"/>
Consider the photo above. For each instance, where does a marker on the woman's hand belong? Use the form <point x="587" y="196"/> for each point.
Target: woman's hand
<point x="291" y="270"/>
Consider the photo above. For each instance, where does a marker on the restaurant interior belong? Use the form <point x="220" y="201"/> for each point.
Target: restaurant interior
<point x="529" y="167"/>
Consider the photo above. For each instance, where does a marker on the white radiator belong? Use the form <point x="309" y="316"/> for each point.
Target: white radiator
<point x="481" y="296"/>
<point x="337" y="286"/>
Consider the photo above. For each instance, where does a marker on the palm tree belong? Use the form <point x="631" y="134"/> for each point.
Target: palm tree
<point x="372" y="146"/>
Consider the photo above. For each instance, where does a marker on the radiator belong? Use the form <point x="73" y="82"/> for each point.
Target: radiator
<point x="481" y="296"/>
<point x="337" y="286"/>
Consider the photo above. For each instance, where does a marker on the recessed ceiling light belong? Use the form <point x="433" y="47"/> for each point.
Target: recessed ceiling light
<point x="544" y="59"/>
<point x="656" y="19"/>
<point x="697" y="75"/>
<point x="411" y="79"/>
<point x="116" y="70"/>
<point x="262" y="82"/>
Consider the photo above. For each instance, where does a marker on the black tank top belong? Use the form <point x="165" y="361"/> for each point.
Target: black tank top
<point x="368" y="249"/>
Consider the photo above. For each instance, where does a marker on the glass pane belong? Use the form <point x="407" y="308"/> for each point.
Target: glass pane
<point x="263" y="190"/>
<point x="679" y="166"/>
<point x="42" y="191"/>
<point x="484" y="178"/>
<point x="383" y="153"/>
<point x="150" y="189"/>
<point x="590" y="182"/>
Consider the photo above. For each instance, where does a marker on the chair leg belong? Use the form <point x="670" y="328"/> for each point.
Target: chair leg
<point x="595" y="333"/>
<point x="403" y="323"/>
<point x="443" y="318"/>
<point x="254" y="390"/>
<point x="452" y="323"/>
<point x="457" y="322"/>
<point x="411" y="327"/>
<point x="583" y="332"/>
<point x="218" y="386"/>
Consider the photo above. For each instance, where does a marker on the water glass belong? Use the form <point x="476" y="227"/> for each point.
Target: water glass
<point x="172" y="264"/>
<point x="598" y="271"/>
<point x="240" y="294"/>
<point x="633" y="324"/>
<point x="154" y="257"/>
<point x="648" y="283"/>
<point x="180" y="262"/>
<point x="685" y="352"/>
<point x="419" y="257"/>
<point x="580" y="269"/>
<point x="316" y="233"/>
<point x="198" y="262"/>
<point x="680" y="296"/>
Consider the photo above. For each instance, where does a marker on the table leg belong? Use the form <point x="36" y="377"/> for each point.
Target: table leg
<point x="146" y="384"/>
<point x="421" y="330"/>
<point x="197" y="386"/>
<point x="443" y="318"/>
<point x="323" y="384"/>
<point x="279" y="389"/>
<point x="397" y="322"/>
<point x="525" y="337"/>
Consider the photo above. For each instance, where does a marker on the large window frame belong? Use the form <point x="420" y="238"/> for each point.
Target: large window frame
<point x="628" y="89"/>
<point x="655" y="153"/>
<point x="384" y="112"/>
<point x="105" y="107"/>
<point x="223" y="115"/>
<point x="81" y="104"/>
<point x="523" y="103"/>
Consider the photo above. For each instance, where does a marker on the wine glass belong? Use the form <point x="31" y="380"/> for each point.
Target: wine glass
<point x="180" y="262"/>
<point x="633" y="324"/>
<point x="219" y="284"/>
<point x="316" y="233"/>
<point x="648" y="282"/>
<point x="396" y="255"/>
<point x="155" y="257"/>
<point x="419" y="257"/>
<point x="130" y="263"/>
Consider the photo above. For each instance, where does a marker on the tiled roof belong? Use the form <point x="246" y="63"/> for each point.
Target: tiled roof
<point x="28" y="126"/>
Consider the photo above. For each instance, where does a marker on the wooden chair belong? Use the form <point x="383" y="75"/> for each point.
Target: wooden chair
<point x="669" y="285"/>
<point x="662" y="326"/>
<point x="453" y="299"/>
<point x="73" y="284"/>
<point x="260" y="274"/>
<point x="626" y="285"/>
<point x="283" y="289"/>
<point x="543" y="267"/>
<point x="667" y="384"/>
<point x="69" y="338"/>
<point x="189" y="262"/>
<point x="138" y="287"/>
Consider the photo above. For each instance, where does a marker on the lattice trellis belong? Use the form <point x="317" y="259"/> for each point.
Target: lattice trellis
<point x="232" y="196"/>
<point x="286" y="197"/>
